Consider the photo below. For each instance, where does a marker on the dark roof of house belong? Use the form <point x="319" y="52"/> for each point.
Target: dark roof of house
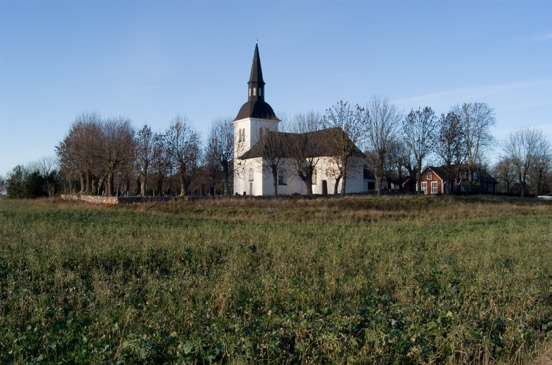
<point x="442" y="172"/>
<point x="487" y="179"/>
<point x="323" y="143"/>
<point x="256" y="106"/>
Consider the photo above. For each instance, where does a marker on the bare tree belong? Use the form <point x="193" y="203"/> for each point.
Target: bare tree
<point x="116" y="154"/>
<point x="353" y="121"/>
<point x="541" y="170"/>
<point x="476" y="119"/>
<point x="144" y="156"/>
<point x="47" y="167"/>
<point x="68" y="164"/>
<point x="419" y="135"/>
<point x="79" y="150"/>
<point x="398" y="159"/>
<point x="308" y="122"/>
<point x="303" y="163"/>
<point x="450" y="146"/>
<point x="524" y="148"/>
<point x="220" y="150"/>
<point x="304" y="158"/>
<point x="505" y="171"/>
<point x="95" y="151"/>
<point x="160" y="161"/>
<point x="382" y="128"/>
<point x="273" y="156"/>
<point x="183" y="146"/>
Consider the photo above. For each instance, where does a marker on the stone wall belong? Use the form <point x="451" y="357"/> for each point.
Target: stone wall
<point x="114" y="200"/>
<point x="93" y="199"/>
<point x="143" y="199"/>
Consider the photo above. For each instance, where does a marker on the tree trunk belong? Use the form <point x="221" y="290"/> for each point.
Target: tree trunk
<point x="225" y="172"/>
<point x="275" y="180"/>
<point x="379" y="182"/>
<point x="101" y="186"/>
<point x="182" y="186"/>
<point x="109" y="184"/>
<point x="182" y="177"/>
<point x="344" y="178"/>
<point x="187" y="184"/>
<point x="160" y="185"/>
<point x="308" y="184"/>
<point x="379" y="173"/>
<point x="143" y="186"/>
<point x="336" y="187"/>
<point x="89" y="183"/>
<point x="400" y="178"/>
<point x="82" y="183"/>
<point x="419" y="179"/>
<point x="523" y="187"/>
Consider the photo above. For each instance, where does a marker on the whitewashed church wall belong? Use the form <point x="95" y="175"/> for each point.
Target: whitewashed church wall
<point x="255" y="179"/>
<point x="293" y="184"/>
<point x="355" y="178"/>
<point x="323" y="168"/>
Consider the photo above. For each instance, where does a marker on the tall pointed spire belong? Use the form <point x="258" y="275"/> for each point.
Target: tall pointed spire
<point x="256" y="107"/>
<point x="256" y="82"/>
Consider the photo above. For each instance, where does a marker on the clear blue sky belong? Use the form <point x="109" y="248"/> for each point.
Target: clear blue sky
<point x="152" y="60"/>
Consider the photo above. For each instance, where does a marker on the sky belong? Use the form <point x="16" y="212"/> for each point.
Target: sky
<point x="150" y="61"/>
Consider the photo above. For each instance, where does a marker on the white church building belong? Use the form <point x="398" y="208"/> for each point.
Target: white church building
<point x="267" y="162"/>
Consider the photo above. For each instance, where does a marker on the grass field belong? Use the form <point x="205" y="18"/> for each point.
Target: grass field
<point x="355" y="280"/>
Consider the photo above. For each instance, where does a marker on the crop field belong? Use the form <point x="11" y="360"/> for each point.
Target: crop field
<point x="353" y="280"/>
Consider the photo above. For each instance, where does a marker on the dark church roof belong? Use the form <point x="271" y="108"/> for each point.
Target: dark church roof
<point x="323" y="143"/>
<point x="256" y="107"/>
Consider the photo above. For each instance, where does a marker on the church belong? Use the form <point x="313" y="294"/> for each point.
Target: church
<point x="268" y="162"/>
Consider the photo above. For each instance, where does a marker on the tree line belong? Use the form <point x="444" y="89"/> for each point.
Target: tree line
<point x="110" y="157"/>
<point x="398" y="145"/>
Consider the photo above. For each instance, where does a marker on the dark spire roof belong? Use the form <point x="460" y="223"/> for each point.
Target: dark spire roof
<point x="256" y="107"/>
<point x="256" y="77"/>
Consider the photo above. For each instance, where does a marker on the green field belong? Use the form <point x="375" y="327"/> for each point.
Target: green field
<point x="356" y="280"/>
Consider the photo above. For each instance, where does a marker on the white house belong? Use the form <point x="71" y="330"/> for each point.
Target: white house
<point x="266" y="160"/>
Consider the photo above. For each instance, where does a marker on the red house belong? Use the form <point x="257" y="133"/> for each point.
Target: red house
<point x="454" y="179"/>
<point x="434" y="181"/>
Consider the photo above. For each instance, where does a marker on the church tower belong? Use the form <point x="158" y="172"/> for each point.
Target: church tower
<point x="254" y="120"/>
